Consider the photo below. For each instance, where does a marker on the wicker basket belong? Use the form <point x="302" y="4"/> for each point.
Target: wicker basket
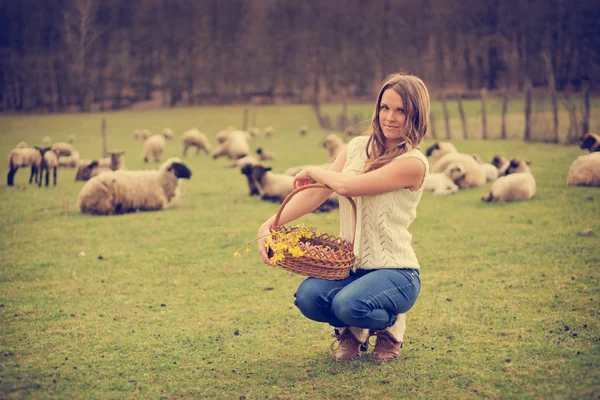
<point x="325" y="256"/>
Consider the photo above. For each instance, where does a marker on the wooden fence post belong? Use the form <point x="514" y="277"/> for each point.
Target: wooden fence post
<point x="553" y="97"/>
<point x="245" y="123"/>
<point x="432" y="124"/>
<point x="483" y="114"/>
<point x="504" y="111"/>
<point x="463" y="119"/>
<point x="446" y="116"/>
<point x="103" y="131"/>
<point x="585" y="123"/>
<point x="528" y="89"/>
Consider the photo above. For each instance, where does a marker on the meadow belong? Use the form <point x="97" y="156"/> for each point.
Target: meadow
<point x="155" y="305"/>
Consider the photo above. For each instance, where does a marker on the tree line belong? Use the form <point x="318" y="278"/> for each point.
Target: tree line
<point x="82" y="55"/>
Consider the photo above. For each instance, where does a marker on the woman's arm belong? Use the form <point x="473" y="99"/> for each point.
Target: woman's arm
<point x="404" y="173"/>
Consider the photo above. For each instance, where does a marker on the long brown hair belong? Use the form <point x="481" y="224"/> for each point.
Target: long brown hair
<point x="415" y="98"/>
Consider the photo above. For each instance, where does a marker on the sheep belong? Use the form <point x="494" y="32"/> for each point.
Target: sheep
<point x="236" y="146"/>
<point x="47" y="141"/>
<point x="254" y="131"/>
<point x="21" y="145"/>
<point x="269" y="131"/>
<point x="438" y="150"/>
<point x="124" y="191"/>
<point x="265" y="155"/>
<point x="442" y="183"/>
<point x="590" y="141"/>
<point x="137" y="134"/>
<point x="334" y="144"/>
<point x="222" y="136"/>
<point x="518" y="184"/>
<point x="585" y="170"/>
<point x="49" y="162"/>
<point x="491" y="172"/>
<point x="303" y="130"/>
<point x="153" y="147"/>
<point x="23" y="157"/>
<point x="69" y="161"/>
<point x="240" y="162"/>
<point x="90" y="168"/>
<point x="270" y="186"/>
<point x="197" y="139"/>
<point x="474" y="174"/>
<point x="349" y="131"/>
<point x="63" y="149"/>
<point x="145" y="134"/>
<point x="115" y="160"/>
<point x="71" y="139"/>
<point x="168" y="133"/>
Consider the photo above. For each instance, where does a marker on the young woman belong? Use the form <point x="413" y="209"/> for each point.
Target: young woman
<point x="383" y="172"/>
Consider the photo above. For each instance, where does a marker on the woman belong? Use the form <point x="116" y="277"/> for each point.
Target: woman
<point x="383" y="172"/>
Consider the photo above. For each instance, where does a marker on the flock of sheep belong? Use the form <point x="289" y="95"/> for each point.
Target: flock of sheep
<point x="112" y="189"/>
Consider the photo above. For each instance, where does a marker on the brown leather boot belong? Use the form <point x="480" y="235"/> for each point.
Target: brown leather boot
<point x="387" y="348"/>
<point x="348" y="345"/>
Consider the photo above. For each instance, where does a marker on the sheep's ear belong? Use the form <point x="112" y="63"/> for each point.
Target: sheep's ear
<point x="432" y="148"/>
<point x="93" y="164"/>
<point x="181" y="171"/>
<point x="247" y="169"/>
<point x="268" y="169"/>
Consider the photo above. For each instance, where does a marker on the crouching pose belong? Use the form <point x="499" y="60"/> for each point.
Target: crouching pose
<point x="383" y="172"/>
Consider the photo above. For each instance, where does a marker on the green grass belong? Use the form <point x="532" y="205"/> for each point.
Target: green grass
<point x="508" y="308"/>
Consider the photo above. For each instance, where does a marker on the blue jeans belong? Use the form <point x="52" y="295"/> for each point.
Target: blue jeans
<point x="369" y="299"/>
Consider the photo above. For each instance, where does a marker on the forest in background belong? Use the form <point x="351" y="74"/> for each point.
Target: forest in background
<point x="89" y="55"/>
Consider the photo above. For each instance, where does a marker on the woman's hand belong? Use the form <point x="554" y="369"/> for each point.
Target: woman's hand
<point x="263" y="234"/>
<point x="303" y="178"/>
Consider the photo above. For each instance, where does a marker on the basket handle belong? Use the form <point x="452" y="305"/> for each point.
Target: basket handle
<point x="311" y="186"/>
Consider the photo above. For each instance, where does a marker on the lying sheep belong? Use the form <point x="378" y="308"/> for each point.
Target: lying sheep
<point x="90" y="168"/>
<point x="590" y="141"/>
<point x="71" y="161"/>
<point x="254" y="131"/>
<point x="115" y="160"/>
<point x="235" y="146"/>
<point x="518" y="184"/>
<point x="49" y="162"/>
<point x="167" y="133"/>
<point x="269" y="131"/>
<point x="125" y="191"/>
<point x="197" y="139"/>
<point x="63" y="149"/>
<point x="71" y="139"/>
<point x="153" y="147"/>
<point x="334" y="145"/>
<point x="270" y="186"/>
<point x="491" y="172"/>
<point x="46" y="141"/>
<point x="438" y="150"/>
<point x="265" y="155"/>
<point x="585" y="170"/>
<point x="442" y="183"/>
<point x="23" y="157"/>
<point x="474" y="174"/>
<point x="21" y="145"/>
<point x="501" y="164"/>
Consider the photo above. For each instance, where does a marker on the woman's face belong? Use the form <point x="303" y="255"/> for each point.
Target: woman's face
<point x="392" y="117"/>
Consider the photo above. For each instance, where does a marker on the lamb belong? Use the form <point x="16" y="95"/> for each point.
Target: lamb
<point x="23" y="157"/>
<point x="269" y="131"/>
<point x="491" y="172"/>
<point x="49" y="162"/>
<point x="265" y="155"/>
<point x="71" y="161"/>
<point x="21" y="145"/>
<point x="474" y="174"/>
<point x="442" y="183"/>
<point x="63" y="149"/>
<point x="71" y="139"/>
<point x="168" y="133"/>
<point x="585" y="170"/>
<point x="518" y="184"/>
<point x="137" y="134"/>
<point x="125" y="191"/>
<point x="47" y="141"/>
<point x="90" y="168"/>
<point x="334" y="144"/>
<point x="438" y="150"/>
<point x="254" y="132"/>
<point x="153" y="147"/>
<point x="590" y="141"/>
<point x="270" y="186"/>
<point x="197" y="139"/>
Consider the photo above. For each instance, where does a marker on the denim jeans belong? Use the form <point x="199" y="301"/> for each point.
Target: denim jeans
<point x="369" y="299"/>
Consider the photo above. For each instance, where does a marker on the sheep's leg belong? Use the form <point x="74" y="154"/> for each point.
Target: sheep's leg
<point x="31" y="175"/>
<point x="41" y="175"/>
<point x="10" y="179"/>
<point x="54" y="176"/>
<point x="185" y="149"/>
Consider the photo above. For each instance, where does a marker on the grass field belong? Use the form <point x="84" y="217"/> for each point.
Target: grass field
<point x="158" y="307"/>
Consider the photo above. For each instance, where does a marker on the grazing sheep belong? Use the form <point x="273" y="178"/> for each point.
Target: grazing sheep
<point x="270" y="186"/>
<point x="265" y="155"/>
<point x="137" y="134"/>
<point x="334" y="144"/>
<point x="303" y="130"/>
<point x="145" y="134"/>
<point x="254" y="131"/>
<point x="223" y="135"/>
<point x="438" y="150"/>
<point x="474" y="174"/>
<point x="23" y="157"/>
<point x="168" y="133"/>
<point x="292" y="171"/>
<point x="123" y="191"/>
<point x="153" y="147"/>
<point x="442" y="183"/>
<point x="518" y="184"/>
<point x="269" y="131"/>
<point x="21" y="145"/>
<point x="90" y="168"/>
<point x="585" y="170"/>
<point x="71" y="139"/>
<point x="590" y="141"/>
<point x="63" y="149"/>
<point x="71" y="161"/>
<point x="197" y="139"/>
<point x="49" y="162"/>
<point x="235" y="146"/>
<point x="47" y="141"/>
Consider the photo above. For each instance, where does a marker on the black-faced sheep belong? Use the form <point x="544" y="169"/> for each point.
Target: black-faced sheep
<point x="167" y="133"/>
<point x="270" y="186"/>
<point x="590" y="141"/>
<point x="501" y="164"/>
<point x="518" y="184"/>
<point x="63" y="149"/>
<point x="334" y="145"/>
<point x="438" y="150"/>
<point x="23" y="157"/>
<point x="197" y="139"/>
<point x="265" y="155"/>
<point x="49" y="162"/>
<point x="474" y="174"/>
<point x="89" y="168"/>
<point x="585" y="170"/>
<point x="153" y="148"/>
<point x="126" y="191"/>
<point x="442" y="183"/>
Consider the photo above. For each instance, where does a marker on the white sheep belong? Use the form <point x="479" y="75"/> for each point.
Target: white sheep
<point x="89" y="168"/>
<point x="63" y="149"/>
<point x="474" y="174"/>
<point x="115" y="160"/>
<point x="491" y="172"/>
<point x="71" y="161"/>
<point x="265" y="155"/>
<point x="49" y="162"/>
<point x="145" y="134"/>
<point x="21" y="145"/>
<point x="153" y="148"/>
<point x="585" y="170"/>
<point x="23" y="157"/>
<point x="442" y="183"/>
<point x="240" y="162"/>
<point x="590" y="141"/>
<point x="254" y="131"/>
<point x="137" y="134"/>
<point x="71" y="139"/>
<point x="235" y="146"/>
<point x="167" y="133"/>
<point x="518" y="184"/>
<point x="303" y="130"/>
<point x="269" y="131"/>
<point x="124" y="191"/>
<point x="438" y="150"/>
<point x="46" y="141"/>
<point x="222" y="136"/>
<point x="334" y="145"/>
<point x="197" y="139"/>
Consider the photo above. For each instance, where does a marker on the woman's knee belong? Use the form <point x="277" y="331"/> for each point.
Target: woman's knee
<point x="309" y="296"/>
<point x="349" y="308"/>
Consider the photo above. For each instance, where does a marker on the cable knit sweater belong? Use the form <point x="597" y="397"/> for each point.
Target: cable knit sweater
<point x="382" y="237"/>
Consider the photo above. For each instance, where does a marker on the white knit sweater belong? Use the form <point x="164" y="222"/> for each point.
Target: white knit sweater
<point x="382" y="237"/>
